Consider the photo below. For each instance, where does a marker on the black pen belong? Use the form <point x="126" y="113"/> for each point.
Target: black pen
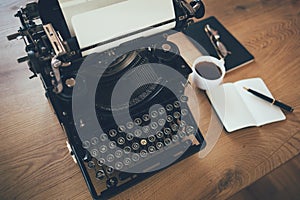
<point x="272" y="101"/>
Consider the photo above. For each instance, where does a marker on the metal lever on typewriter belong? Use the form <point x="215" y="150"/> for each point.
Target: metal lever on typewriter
<point x="194" y="9"/>
<point x="59" y="50"/>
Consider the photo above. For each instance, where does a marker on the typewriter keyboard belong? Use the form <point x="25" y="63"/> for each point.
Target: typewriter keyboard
<point x="130" y="148"/>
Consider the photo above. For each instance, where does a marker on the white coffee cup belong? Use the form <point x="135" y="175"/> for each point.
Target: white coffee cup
<point x="205" y="83"/>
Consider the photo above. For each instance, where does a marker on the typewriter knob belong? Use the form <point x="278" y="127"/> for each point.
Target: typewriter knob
<point x="198" y="8"/>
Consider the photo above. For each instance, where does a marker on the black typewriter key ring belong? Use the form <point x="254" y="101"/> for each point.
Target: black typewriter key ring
<point x="177" y="115"/>
<point x="161" y="111"/>
<point x="127" y="149"/>
<point x="159" y="145"/>
<point x="151" y="138"/>
<point x="110" y="158"/>
<point x="100" y="175"/>
<point x="177" y="104"/>
<point x="91" y="165"/>
<point x="135" y="146"/>
<point x="129" y="136"/>
<point x="112" y="182"/>
<point x="103" y="137"/>
<point x="154" y="125"/>
<point x="129" y="125"/>
<point x="121" y="141"/>
<point x="161" y="122"/>
<point x="151" y="149"/>
<point x="135" y="157"/>
<point x="159" y="134"/>
<point x="144" y="153"/>
<point x="110" y="170"/>
<point x="112" y="133"/>
<point x="103" y="148"/>
<point x="94" y="141"/>
<point x="119" y="153"/>
<point x="127" y="161"/>
<point x="101" y="162"/>
<point x="119" y="165"/>
<point x="138" y="121"/>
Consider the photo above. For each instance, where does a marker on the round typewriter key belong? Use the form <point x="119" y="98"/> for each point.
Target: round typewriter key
<point x="169" y="118"/>
<point x="91" y="164"/>
<point x="103" y="137"/>
<point x="119" y="165"/>
<point x="127" y="149"/>
<point x="184" y="112"/>
<point x="112" y="145"/>
<point x="118" y="153"/>
<point x="101" y="162"/>
<point x="86" y="144"/>
<point x="121" y="140"/>
<point x="177" y="104"/>
<point x="121" y="128"/>
<point x="135" y="157"/>
<point x="151" y="138"/>
<point x="190" y="130"/>
<point x="144" y="153"/>
<point x="138" y="121"/>
<point x="100" y="175"/>
<point x="159" y="134"/>
<point x="181" y="134"/>
<point x="127" y="161"/>
<point x="182" y="123"/>
<point x="174" y="127"/>
<point x="184" y="99"/>
<point x="94" y="153"/>
<point x="161" y="111"/>
<point x="112" y="133"/>
<point x="130" y="125"/>
<point x="167" y="141"/>
<point x="146" y="117"/>
<point x="177" y="115"/>
<point x="151" y="149"/>
<point x="112" y="182"/>
<point x="110" y="157"/>
<point x="135" y="146"/>
<point x="159" y="145"/>
<point x="169" y="107"/>
<point x="129" y="136"/>
<point x="103" y="148"/>
<point x="167" y="131"/>
<point x="138" y="133"/>
<point x="154" y="114"/>
<point x="94" y="140"/>
<point x="161" y="122"/>
<point x="175" y="138"/>
<point x="146" y="129"/>
<point x="154" y="125"/>
<point x="144" y="142"/>
<point x="110" y="170"/>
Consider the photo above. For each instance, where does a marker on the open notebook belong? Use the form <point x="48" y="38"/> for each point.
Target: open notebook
<point x="238" y="108"/>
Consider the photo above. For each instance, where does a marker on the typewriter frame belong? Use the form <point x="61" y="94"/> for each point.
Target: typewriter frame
<point x="46" y="48"/>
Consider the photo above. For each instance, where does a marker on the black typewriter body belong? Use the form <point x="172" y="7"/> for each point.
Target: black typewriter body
<point x="159" y="130"/>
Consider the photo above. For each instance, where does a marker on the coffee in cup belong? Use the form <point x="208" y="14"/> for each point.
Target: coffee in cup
<point x="208" y="72"/>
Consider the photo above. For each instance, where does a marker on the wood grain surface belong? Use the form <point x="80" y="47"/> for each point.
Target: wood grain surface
<point x="34" y="160"/>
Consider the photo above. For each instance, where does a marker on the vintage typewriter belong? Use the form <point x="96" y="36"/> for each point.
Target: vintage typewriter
<point x="82" y="51"/>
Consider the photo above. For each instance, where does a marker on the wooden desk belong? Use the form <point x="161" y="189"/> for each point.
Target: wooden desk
<point x="34" y="161"/>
